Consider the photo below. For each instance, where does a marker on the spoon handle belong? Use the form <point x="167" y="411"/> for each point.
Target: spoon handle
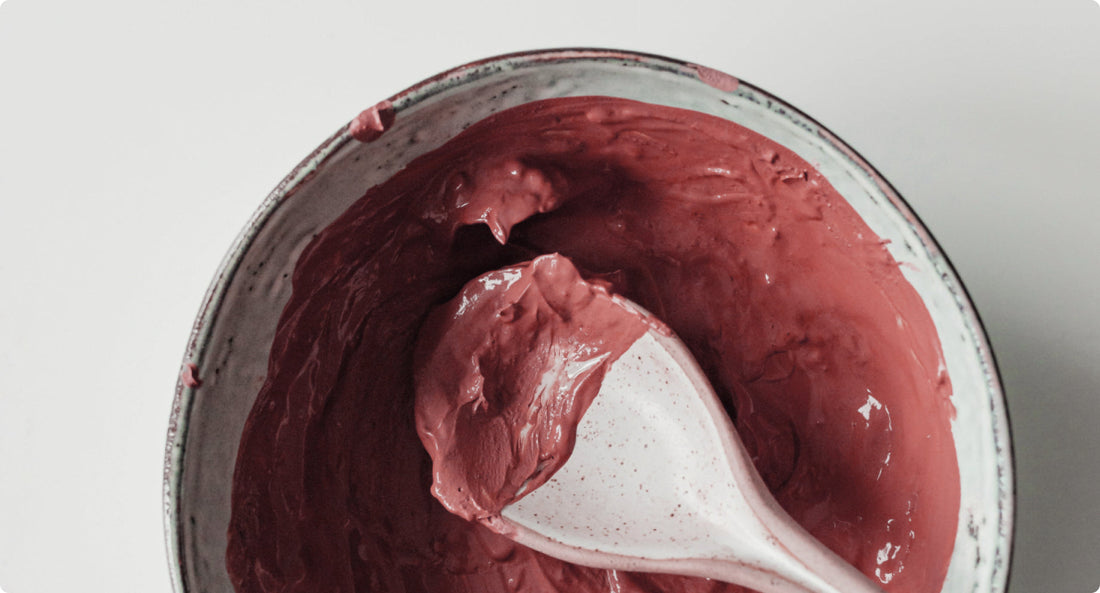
<point x="823" y="579"/>
<point x="800" y="563"/>
<point x="820" y="573"/>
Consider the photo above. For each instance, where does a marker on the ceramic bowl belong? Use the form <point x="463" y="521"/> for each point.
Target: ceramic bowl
<point x="232" y="335"/>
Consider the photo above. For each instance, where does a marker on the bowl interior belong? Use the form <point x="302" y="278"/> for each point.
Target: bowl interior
<point x="234" y="330"/>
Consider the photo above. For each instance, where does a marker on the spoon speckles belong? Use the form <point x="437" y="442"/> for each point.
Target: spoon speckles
<point x="659" y="481"/>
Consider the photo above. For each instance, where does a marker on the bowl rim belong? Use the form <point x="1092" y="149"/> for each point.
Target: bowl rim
<point x="183" y="399"/>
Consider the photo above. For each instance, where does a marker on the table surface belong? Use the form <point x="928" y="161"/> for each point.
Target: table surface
<point x="136" y="138"/>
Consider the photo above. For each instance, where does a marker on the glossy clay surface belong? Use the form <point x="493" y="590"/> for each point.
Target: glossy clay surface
<point x="503" y="374"/>
<point x="825" y="355"/>
<point x="234" y="331"/>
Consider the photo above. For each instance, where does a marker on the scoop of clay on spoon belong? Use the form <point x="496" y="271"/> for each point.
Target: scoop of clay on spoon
<point x="570" y="420"/>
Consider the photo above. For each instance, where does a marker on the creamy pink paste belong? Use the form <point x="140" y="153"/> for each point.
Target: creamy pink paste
<point x="824" y="355"/>
<point x="504" y="373"/>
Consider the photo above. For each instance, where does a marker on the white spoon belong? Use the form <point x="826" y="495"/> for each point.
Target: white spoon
<point x="660" y="482"/>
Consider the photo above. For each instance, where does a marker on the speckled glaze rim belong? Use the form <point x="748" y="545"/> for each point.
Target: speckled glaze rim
<point x="175" y="448"/>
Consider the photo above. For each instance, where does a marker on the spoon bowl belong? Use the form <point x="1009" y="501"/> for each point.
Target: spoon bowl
<point x="659" y="481"/>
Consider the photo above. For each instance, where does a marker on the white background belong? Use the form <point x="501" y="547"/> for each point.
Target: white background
<point x="136" y="138"/>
